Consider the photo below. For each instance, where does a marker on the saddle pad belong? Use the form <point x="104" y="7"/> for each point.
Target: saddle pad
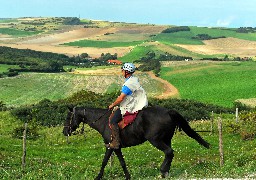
<point x="128" y="118"/>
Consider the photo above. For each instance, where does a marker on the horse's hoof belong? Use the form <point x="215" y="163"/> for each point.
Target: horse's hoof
<point x="164" y="174"/>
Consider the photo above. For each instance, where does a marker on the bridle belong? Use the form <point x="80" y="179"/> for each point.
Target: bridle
<point x="82" y="130"/>
<point x="70" y="121"/>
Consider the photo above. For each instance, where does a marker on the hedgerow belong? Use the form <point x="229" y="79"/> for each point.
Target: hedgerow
<point x="52" y="113"/>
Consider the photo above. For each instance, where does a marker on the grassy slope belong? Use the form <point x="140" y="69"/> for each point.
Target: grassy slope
<point x="18" y="33"/>
<point x="218" y="83"/>
<point x="50" y="157"/>
<point x="30" y="88"/>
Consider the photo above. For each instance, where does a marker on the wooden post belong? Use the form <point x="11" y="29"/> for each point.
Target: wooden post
<point x="237" y="115"/>
<point x="24" y="147"/>
<point x="220" y="142"/>
<point x="212" y="119"/>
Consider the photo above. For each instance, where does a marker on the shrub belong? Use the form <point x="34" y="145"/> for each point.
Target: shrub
<point x="48" y="113"/>
<point x="31" y="133"/>
<point x="246" y="126"/>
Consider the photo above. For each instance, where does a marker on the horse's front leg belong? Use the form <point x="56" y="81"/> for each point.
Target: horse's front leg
<point x="104" y="163"/>
<point x="122" y="162"/>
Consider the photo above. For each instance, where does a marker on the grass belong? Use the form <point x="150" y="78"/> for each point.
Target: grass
<point x="18" y="33"/>
<point x="217" y="83"/>
<point x="30" y="88"/>
<point x="50" y="157"/>
<point x="136" y="53"/>
<point x="5" y="67"/>
<point x="185" y="37"/>
<point x="102" y="44"/>
<point x="8" y="20"/>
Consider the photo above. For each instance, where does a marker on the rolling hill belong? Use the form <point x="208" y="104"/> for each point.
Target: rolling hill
<point x="128" y="40"/>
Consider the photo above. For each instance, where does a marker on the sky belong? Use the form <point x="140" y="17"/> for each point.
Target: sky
<point x="206" y="13"/>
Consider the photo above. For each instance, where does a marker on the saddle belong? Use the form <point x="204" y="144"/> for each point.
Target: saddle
<point x="128" y="118"/>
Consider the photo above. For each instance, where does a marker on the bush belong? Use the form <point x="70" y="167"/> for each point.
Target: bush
<point x="48" y="113"/>
<point x="246" y="126"/>
<point x="190" y="109"/>
<point x="32" y="132"/>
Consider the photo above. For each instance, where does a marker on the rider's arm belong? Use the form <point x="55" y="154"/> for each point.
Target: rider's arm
<point x="118" y="100"/>
<point x="125" y="92"/>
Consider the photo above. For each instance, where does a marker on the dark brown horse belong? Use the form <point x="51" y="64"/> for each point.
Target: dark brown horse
<point x="154" y="124"/>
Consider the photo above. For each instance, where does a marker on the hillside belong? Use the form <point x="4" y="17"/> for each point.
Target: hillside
<point x="50" y="34"/>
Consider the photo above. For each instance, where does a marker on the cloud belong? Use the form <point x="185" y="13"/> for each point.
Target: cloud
<point x="225" y="22"/>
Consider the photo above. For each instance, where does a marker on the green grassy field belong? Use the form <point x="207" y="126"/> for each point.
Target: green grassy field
<point x="18" y="33"/>
<point x="136" y="53"/>
<point x="216" y="83"/>
<point x="5" y="67"/>
<point x="102" y="44"/>
<point x="50" y="157"/>
<point x="185" y="37"/>
<point x="30" y="88"/>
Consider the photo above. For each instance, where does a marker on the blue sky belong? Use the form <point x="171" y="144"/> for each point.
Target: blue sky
<point x="211" y="13"/>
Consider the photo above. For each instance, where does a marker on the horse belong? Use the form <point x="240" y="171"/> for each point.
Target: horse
<point x="154" y="124"/>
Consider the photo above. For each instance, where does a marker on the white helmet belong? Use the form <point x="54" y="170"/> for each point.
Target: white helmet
<point x="129" y="67"/>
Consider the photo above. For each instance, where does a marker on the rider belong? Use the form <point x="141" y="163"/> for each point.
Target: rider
<point x="132" y="98"/>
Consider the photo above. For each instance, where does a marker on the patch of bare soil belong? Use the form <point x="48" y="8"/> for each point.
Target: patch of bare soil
<point x="69" y="36"/>
<point x="145" y="29"/>
<point x="71" y="51"/>
<point x="234" y="46"/>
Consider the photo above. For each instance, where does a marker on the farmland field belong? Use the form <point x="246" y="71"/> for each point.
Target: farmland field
<point x="218" y="83"/>
<point x="102" y="44"/>
<point x="19" y="33"/>
<point x="29" y="88"/>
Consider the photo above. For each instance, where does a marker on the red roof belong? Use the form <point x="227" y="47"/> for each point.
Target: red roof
<point x="115" y="62"/>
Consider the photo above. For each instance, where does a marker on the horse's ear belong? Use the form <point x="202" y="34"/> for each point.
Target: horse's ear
<point x="70" y="109"/>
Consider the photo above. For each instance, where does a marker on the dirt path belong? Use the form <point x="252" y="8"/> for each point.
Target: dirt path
<point x="170" y="90"/>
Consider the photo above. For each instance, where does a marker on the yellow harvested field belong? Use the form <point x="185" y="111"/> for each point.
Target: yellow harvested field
<point x="233" y="46"/>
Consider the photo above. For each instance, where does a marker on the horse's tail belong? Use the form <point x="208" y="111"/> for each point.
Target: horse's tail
<point x="183" y="124"/>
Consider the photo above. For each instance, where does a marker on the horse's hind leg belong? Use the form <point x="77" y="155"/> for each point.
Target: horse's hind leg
<point x="168" y="151"/>
<point x="122" y="162"/>
<point x="104" y="163"/>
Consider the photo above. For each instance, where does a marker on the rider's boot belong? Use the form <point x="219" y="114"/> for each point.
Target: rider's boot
<point x="115" y="143"/>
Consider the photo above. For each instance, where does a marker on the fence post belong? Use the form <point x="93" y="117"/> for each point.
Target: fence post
<point x="24" y="147"/>
<point x="237" y="115"/>
<point x="212" y="119"/>
<point x="220" y="142"/>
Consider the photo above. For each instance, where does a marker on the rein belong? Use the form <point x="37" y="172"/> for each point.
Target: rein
<point x="100" y="117"/>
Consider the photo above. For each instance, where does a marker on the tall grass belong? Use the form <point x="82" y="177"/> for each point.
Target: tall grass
<point x="218" y="83"/>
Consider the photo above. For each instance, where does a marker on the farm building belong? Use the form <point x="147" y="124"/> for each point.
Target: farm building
<point x="117" y="62"/>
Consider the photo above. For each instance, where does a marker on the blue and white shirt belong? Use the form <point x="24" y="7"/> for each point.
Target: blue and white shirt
<point x="136" y="98"/>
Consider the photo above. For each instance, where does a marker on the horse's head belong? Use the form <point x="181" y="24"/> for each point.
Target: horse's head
<point x="73" y="120"/>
